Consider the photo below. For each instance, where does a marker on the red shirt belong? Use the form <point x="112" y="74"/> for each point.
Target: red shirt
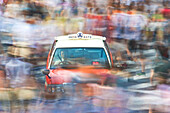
<point x="166" y="12"/>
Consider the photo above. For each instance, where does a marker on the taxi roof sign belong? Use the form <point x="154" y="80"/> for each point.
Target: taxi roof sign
<point x="79" y="36"/>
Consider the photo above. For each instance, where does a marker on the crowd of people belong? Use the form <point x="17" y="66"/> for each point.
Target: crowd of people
<point x="125" y="19"/>
<point x="28" y="28"/>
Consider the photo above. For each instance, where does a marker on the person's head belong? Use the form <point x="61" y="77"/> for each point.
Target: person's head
<point x="158" y="11"/>
<point x="166" y="4"/>
<point x="109" y="11"/>
<point x="132" y="6"/>
<point x="147" y="2"/>
<point x="62" y="54"/>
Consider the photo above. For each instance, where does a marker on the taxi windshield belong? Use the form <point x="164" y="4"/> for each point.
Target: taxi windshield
<point x="79" y="57"/>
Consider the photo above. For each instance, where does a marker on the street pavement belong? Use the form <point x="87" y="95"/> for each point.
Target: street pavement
<point x="133" y="94"/>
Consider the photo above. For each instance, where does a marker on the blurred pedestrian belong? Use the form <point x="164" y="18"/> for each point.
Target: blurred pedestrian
<point x="13" y="9"/>
<point x="162" y="50"/>
<point x="2" y="76"/>
<point x="161" y="73"/>
<point x="133" y="47"/>
<point x="1" y="7"/>
<point x="163" y="69"/>
<point x="134" y="24"/>
<point x="149" y="5"/>
<point x="17" y="70"/>
<point x="74" y="8"/>
<point x="166" y="33"/>
<point x="166" y="10"/>
<point x="158" y="16"/>
<point x="1" y="48"/>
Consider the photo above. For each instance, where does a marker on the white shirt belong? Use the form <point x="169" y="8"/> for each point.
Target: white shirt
<point x="1" y="1"/>
<point x="17" y="71"/>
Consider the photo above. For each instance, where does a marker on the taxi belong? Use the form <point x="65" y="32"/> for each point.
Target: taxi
<point x="77" y="58"/>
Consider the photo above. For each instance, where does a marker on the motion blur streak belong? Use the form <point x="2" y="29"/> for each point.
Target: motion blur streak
<point x="137" y="33"/>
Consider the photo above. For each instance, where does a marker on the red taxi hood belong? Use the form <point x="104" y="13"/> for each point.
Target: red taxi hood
<point x="60" y="76"/>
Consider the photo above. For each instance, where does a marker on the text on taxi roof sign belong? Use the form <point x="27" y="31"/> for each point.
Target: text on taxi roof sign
<point x="80" y="35"/>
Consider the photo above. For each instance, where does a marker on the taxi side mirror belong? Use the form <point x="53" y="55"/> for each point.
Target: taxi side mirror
<point x="46" y="72"/>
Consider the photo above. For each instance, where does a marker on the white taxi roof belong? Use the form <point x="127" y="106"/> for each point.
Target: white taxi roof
<point x="86" y="40"/>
